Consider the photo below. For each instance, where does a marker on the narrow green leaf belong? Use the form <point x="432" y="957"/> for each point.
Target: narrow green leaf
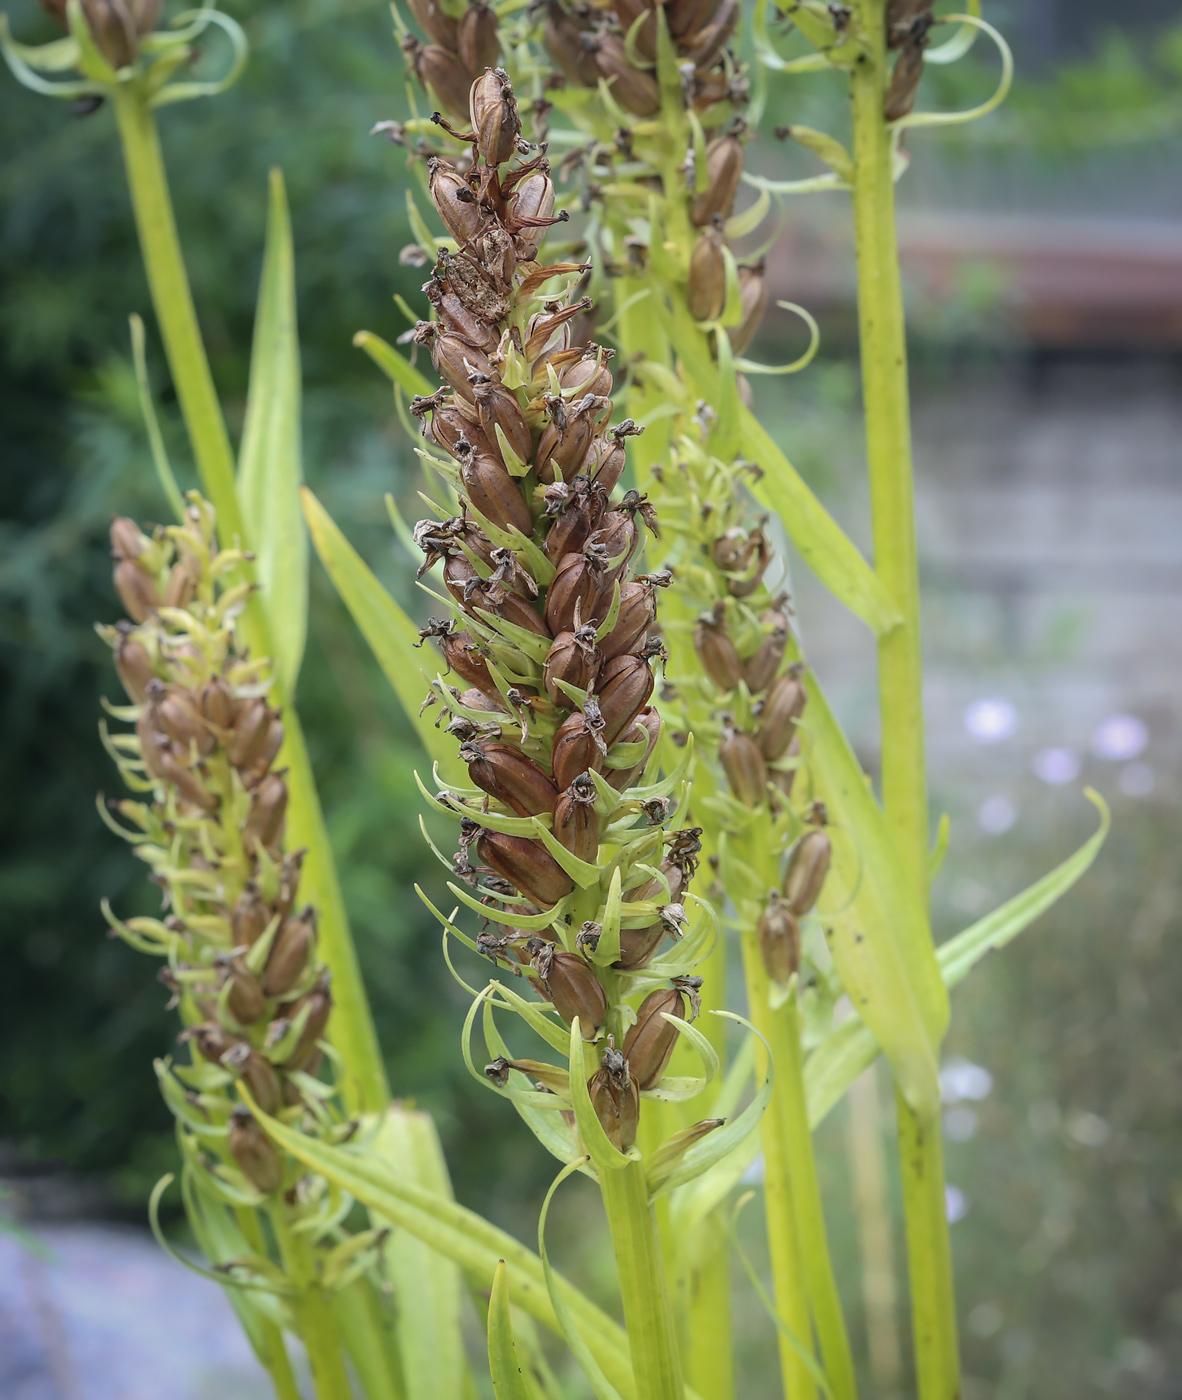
<point x="151" y="423"/>
<point x="269" y="466"/>
<point x="391" y="363"/>
<point x="390" y="633"/>
<point x="823" y="544"/>
<point x="508" y="1377"/>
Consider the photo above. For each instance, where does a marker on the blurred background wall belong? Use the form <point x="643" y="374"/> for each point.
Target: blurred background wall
<point x="1043" y="254"/>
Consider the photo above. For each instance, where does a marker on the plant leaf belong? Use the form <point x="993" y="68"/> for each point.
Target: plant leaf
<point x="269" y="468"/>
<point x="507" y="1376"/>
<point x="390" y="362"/>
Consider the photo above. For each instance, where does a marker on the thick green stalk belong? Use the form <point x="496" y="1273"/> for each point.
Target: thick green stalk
<point x="363" y="1079"/>
<point x="652" y="1338"/>
<point x="904" y="790"/>
<point x="279" y="1363"/>
<point x="313" y="1313"/>
<point x="709" y="1342"/>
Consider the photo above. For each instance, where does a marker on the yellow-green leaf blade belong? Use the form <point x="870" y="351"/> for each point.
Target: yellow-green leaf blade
<point x="507" y="1378"/>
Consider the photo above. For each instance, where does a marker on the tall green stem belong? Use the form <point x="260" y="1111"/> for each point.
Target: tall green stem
<point x="904" y="788"/>
<point x="314" y="1319"/>
<point x="363" y="1079"/>
<point x="652" y="1337"/>
<point x="277" y="1361"/>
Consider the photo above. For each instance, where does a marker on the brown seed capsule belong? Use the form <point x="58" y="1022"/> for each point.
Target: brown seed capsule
<point x="466" y="659"/>
<point x="576" y="822"/>
<point x="498" y="407"/>
<point x="446" y="76"/>
<point x="505" y="773"/>
<point x="449" y="427"/>
<point x="440" y="28"/>
<point x="173" y="767"/>
<point x="904" y="85"/>
<point x="210" y="1039"/>
<point x="685" y="17"/>
<point x="647" y="727"/>
<point x="571" y="984"/>
<point x="615" y="1097"/>
<point x="495" y="494"/>
<point x="565" y="442"/>
<point x="455" y="360"/>
<point x="563" y="39"/>
<point x="650" y="1042"/>
<point x="520" y="613"/>
<point x="716" y="651"/>
<point x="633" y="88"/>
<point x="572" y="659"/>
<point x="745" y="769"/>
<point x="624" y="686"/>
<point x="134" y="666"/>
<point x="628" y="12"/>
<point x="495" y="120"/>
<point x="705" y="288"/>
<point x="724" y="167"/>
<point x="453" y="198"/>
<point x="175" y="712"/>
<point x="619" y="537"/>
<point x="527" y="865"/>
<point x="319" y="1006"/>
<point x="609" y="464"/>
<point x="753" y="297"/>
<point x="807" y="867"/>
<point x="245" y="997"/>
<point x="253" y="735"/>
<point x="218" y="703"/>
<point x="759" y="670"/>
<point x="479" y="45"/>
<point x="638" y="612"/>
<point x="779" y="940"/>
<point x="268" y="808"/>
<point x="777" y="720"/>
<point x="708" y="42"/>
<point x="252" y="1150"/>
<point x="590" y="375"/>
<point x="136" y="591"/>
<point x="249" y="917"/>
<point x="575" y="522"/>
<point x="577" y="594"/>
<point x="578" y="746"/>
<point x="128" y="541"/>
<point x="529" y="209"/>
<point x="257" y="1074"/>
<point x="289" y="954"/>
<point x="638" y="946"/>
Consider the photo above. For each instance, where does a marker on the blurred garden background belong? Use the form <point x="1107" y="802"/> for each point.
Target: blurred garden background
<point x="1043" y="251"/>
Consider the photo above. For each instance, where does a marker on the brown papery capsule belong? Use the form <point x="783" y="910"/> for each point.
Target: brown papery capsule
<point x="705" y="288"/>
<point x="575" y="524"/>
<point x="744" y="766"/>
<point x="565" y="442"/>
<point x="495" y="120"/>
<point x="218" y="703"/>
<point x="496" y="494"/>
<point x="759" y="669"/>
<point x="628" y="12"/>
<point x="256" y="738"/>
<point x="252" y="1150"/>
<point x="530" y="200"/>
<point x="460" y="577"/>
<point x="575" y="749"/>
<point x="268" y="808"/>
<point x="571" y="984"/>
<point x="650" y="1042"/>
<point x="136" y="591"/>
<point x="577" y="585"/>
<point x="498" y="407"/>
<point x="576" y="822"/>
<point x="563" y="39"/>
<point x="777" y="720"/>
<point x="753" y="297"/>
<point x="128" y="541"/>
<point x="527" y="865"/>
<point x="449" y="427"/>
<point x="455" y="360"/>
<point x="249" y="917"/>
<point x="779" y="940"/>
<point x="210" y="1040"/>
<point x="256" y="1073"/>
<point x="615" y="1097"/>
<point x="619" y="537"/>
<point x="807" y="867"/>
<point x="438" y="27"/>
<point x="638" y="946"/>
<point x="647" y="727"/>
<point x="716" y="651"/>
<point x="590" y="375"/>
<point x="623" y="690"/>
<point x="686" y="17"/>
<point x="572" y="659"/>
<point x="638" y="612"/>
<point x="289" y="954"/>
<point x="173" y="770"/>
<point x="465" y="658"/>
<point x="708" y="42"/>
<point x="900" y="95"/>
<point x="446" y="76"/>
<point x="458" y="318"/>
<point x="453" y="198"/>
<point x="724" y="167"/>
<point x="134" y="666"/>
<point x="634" y="89"/>
<point x="505" y="773"/>
<point x="319" y="1005"/>
<point x="479" y="45"/>
<point x="522" y="614"/>
<point x="759" y="554"/>
<point x="245" y="997"/>
<point x="610" y="463"/>
<point x="177" y="714"/>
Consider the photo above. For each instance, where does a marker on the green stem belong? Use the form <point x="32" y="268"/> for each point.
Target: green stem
<point x="314" y="1321"/>
<point x="709" y="1343"/>
<point x="652" y="1338"/>
<point x="904" y="792"/>
<point x="363" y="1079"/>
<point x="277" y="1361"/>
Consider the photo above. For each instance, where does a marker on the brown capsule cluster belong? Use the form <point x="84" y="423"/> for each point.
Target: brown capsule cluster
<point x="779" y="923"/>
<point x="456" y="52"/>
<point x="244" y="970"/>
<point x="907" y="26"/>
<point x="117" y="26"/>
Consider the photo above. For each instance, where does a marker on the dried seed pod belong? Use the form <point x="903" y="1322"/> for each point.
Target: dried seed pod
<point x="807" y="867"/>
<point x="529" y="210"/>
<point x="456" y="361"/>
<point x="256" y="738"/>
<point x="252" y="1150"/>
<point x="218" y="703"/>
<point x="634" y="89"/>
<point x="638" y="612"/>
<point x="526" y="865"/>
<point x="759" y="669"/>
<point x="686" y="17"/>
<point x="467" y="660"/>
<point x="647" y="726"/>
<point x="565" y="441"/>
<point x="211" y="1040"/>
<point x="453" y="197"/>
<point x="904" y="84"/>
<point x="777" y="720"/>
<point x="628" y="12"/>
<point x="495" y="494"/>
<point x="319" y="1008"/>
<point x="520" y="613"/>
<point x="440" y="28"/>
<point x="176" y="713"/>
<point x="256" y="1073"/>
<point x="577" y="592"/>
<point x="744" y="766"/>
<point x="563" y="39"/>
<point x="705" y="288"/>
<point x="445" y="75"/>
<point x="268" y="808"/>
<point x="572" y="659"/>
<point x="245" y="998"/>
<point x="136" y="590"/>
<point x="624" y="686"/>
<point x="289" y="954"/>
<point x="571" y="984"/>
<point x="724" y="167"/>
<point x="576" y="519"/>
<point x="498" y="407"/>
<point x="576" y="822"/>
<point x="134" y="665"/>
<point x="619" y="537"/>
<point x="505" y="773"/>
<point x="615" y="1097"/>
<point x="779" y="939"/>
<point x="716" y="650"/>
<point x="450" y="427"/>
<point x="495" y="121"/>
<point x="249" y="917"/>
<point x="638" y="946"/>
<point x="479" y="44"/>
<point x="708" y="42"/>
<point x="650" y="1042"/>
<point x="578" y="747"/>
<point x="753" y="297"/>
<point x="590" y="375"/>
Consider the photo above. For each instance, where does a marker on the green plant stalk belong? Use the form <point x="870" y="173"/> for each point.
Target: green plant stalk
<point x="888" y="450"/>
<point x="709" y="1342"/>
<point x="369" y="1343"/>
<point x="364" y="1083"/>
<point x="279" y="1365"/>
<point x="652" y="1337"/>
<point x="312" y="1309"/>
